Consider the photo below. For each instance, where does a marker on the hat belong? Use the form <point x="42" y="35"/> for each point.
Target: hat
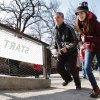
<point x="82" y="7"/>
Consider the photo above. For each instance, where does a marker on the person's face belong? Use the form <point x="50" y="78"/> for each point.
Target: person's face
<point x="58" y="19"/>
<point x="81" y="16"/>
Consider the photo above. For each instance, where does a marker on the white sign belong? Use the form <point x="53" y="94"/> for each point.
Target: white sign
<point x="20" y="49"/>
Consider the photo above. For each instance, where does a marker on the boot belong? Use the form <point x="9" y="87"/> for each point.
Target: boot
<point x="95" y="93"/>
<point x="66" y="82"/>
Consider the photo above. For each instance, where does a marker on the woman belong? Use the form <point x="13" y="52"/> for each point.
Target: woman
<point x="89" y="28"/>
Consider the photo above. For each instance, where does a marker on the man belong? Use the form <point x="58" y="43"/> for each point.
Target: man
<point x="66" y="46"/>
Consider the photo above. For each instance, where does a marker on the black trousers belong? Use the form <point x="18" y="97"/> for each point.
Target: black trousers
<point x="71" y="61"/>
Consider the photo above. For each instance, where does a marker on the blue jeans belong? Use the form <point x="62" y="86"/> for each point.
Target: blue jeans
<point x="89" y="55"/>
<point x="83" y="70"/>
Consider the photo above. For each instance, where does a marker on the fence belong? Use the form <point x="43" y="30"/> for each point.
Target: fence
<point x="21" y="54"/>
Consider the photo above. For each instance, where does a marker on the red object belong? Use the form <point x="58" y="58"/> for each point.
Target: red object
<point x="37" y="67"/>
<point x="92" y="38"/>
<point x="83" y="54"/>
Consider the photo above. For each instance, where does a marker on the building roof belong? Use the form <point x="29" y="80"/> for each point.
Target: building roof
<point x="14" y="31"/>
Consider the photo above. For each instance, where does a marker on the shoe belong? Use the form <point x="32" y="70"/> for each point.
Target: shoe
<point x="95" y="92"/>
<point x="66" y="82"/>
<point x="78" y="87"/>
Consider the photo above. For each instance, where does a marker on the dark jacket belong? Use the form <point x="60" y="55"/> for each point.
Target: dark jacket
<point x="92" y="39"/>
<point x="65" y="36"/>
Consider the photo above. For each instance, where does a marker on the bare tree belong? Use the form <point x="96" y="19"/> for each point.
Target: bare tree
<point x="21" y="13"/>
<point x="70" y="18"/>
<point x="44" y="27"/>
<point x="34" y="15"/>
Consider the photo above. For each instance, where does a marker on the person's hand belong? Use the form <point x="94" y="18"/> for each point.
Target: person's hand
<point x="82" y="47"/>
<point x="83" y="38"/>
<point x="54" y="52"/>
<point x="64" y="50"/>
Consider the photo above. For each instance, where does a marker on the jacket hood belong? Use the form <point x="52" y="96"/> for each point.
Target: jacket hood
<point x="92" y="16"/>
